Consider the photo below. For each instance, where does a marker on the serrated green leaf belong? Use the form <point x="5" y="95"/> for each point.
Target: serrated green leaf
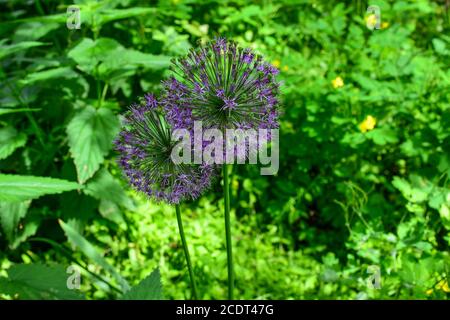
<point x="21" y="188"/>
<point x="90" y="134"/>
<point x="89" y="53"/>
<point x="91" y="252"/>
<point x="148" y="289"/>
<point x="37" y="282"/>
<point x="10" y="140"/>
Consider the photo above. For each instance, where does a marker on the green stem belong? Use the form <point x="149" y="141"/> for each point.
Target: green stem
<point x="226" y="193"/>
<point x="186" y="252"/>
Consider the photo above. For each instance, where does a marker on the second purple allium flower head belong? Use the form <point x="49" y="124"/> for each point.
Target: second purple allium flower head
<point x="224" y="86"/>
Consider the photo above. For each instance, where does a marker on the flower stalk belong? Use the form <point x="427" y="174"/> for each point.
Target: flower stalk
<point x="226" y="193"/>
<point x="186" y="252"/>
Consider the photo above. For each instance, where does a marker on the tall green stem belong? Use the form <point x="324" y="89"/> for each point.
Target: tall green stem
<point x="226" y="193"/>
<point x="186" y="252"/>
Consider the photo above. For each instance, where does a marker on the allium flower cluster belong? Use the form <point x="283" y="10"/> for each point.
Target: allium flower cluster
<point x="224" y="86"/>
<point x="145" y="145"/>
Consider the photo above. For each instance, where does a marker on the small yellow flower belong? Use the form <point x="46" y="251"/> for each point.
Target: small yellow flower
<point x="276" y="63"/>
<point x="371" y="20"/>
<point x="429" y="291"/>
<point x="384" y="25"/>
<point x="368" y="124"/>
<point x="443" y="285"/>
<point x="285" y="68"/>
<point x="337" y="83"/>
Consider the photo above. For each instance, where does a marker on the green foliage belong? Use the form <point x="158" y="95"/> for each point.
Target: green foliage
<point x="20" y="188"/>
<point x="91" y="252"/>
<point x="37" y="282"/>
<point x="90" y="135"/>
<point x="148" y="289"/>
<point x="364" y="161"/>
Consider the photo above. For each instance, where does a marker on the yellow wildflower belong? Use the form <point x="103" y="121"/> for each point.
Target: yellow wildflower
<point x="368" y="124"/>
<point x="429" y="291"/>
<point x="443" y="285"/>
<point x="384" y="25"/>
<point x="285" y="68"/>
<point x="371" y="20"/>
<point x="337" y="83"/>
<point x="276" y="63"/>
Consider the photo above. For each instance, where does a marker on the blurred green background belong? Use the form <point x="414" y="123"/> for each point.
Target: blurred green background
<point x="364" y="172"/>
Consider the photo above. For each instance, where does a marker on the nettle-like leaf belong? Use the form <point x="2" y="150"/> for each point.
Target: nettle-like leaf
<point x="18" y="188"/>
<point x="148" y="289"/>
<point x="90" y="133"/>
<point x="76" y="239"/>
<point x="37" y="282"/>
<point x="10" y="140"/>
<point x="107" y="59"/>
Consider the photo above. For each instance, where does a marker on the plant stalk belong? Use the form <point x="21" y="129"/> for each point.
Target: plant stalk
<point x="226" y="193"/>
<point x="186" y="252"/>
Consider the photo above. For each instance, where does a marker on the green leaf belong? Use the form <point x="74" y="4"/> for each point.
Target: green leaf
<point x="91" y="252"/>
<point x="107" y="15"/>
<point x="10" y="140"/>
<point x="15" y="228"/>
<point x="14" y="110"/>
<point x="440" y="46"/>
<point x="148" y="289"/>
<point x="90" y="134"/>
<point x="104" y="187"/>
<point x="37" y="282"/>
<point x="63" y="72"/>
<point x="89" y="53"/>
<point x="21" y="188"/>
<point x="382" y="136"/>
<point x="10" y="215"/>
<point x="107" y="59"/>
<point x="6" y="50"/>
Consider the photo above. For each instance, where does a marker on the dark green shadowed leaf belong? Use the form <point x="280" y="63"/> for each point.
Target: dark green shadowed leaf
<point x="76" y="239"/>
<point x="104" y="186"/>
<point x="10" y="140"/>
<point x="10" y="215"/>
<point x="6" y="50"/>
<point x="38" y="282"/>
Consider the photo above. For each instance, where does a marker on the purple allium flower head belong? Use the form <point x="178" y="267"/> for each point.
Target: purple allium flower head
<point x="150" y="101"/>
<point x="145" y="146"/>
<point x="224" y="86"/>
